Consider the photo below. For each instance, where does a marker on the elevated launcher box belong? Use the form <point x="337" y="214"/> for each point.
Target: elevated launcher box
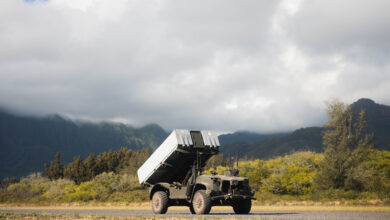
<point x="171" y="161"/>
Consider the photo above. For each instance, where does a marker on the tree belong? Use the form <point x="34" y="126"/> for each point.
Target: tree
<point x="7" y="181"/>
<point x="90" y="166"/>
<point x="76" y="171"/>
<point x="347" y="146"/>
<point x="56" y="169"/>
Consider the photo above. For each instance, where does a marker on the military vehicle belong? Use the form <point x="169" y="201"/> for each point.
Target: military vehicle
<point x="174" y="176"/>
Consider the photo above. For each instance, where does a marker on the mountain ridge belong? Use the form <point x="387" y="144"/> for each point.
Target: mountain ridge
<point x="27" y="142"/>
<point x="310" y="138"/>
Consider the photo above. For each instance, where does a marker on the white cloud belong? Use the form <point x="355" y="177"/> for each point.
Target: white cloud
<point x="225" y="65"/>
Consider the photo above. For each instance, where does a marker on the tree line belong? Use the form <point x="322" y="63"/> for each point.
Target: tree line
<point x="122" y="161"/>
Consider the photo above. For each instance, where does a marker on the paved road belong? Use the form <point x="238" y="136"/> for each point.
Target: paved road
<point x="274" y="215"/>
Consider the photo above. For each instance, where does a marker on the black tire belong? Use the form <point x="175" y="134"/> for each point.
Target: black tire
<point x="242" y="206"/>
<point x="192" y="209"/>
<point x="160" y="202"/>
<point x="201" y="203"/>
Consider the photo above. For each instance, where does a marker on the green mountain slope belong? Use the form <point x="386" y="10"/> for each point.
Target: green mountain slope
<point x="26" y="143"/>
<point x="378" y="121"/>
<point x="245" y="136"/>
<point x="276" y="145"/>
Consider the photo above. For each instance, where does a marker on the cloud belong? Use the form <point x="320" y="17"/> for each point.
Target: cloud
<point x="333" y="26"/>
<point x="254" y="65"/>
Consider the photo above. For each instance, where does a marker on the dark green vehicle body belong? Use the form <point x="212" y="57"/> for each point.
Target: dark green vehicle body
<point x="180" y="182"/>
<point x="222" y="189"/>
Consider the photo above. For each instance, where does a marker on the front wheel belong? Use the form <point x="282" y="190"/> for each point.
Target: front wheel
<point x="160" y="202"/>
<point x="242" y="206"/>
<point x="201" y="204"/>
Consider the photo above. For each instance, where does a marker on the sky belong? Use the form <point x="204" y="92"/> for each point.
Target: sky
<point x="264" y="66"/>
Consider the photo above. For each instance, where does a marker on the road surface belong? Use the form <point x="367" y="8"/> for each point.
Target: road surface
<point x="217" y="214"/>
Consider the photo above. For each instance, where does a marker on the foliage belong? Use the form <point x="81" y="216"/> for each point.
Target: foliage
<point x="56" y="169"/>
<point x="292" y="174"/>
<point x="76" y="171"/>
<point x="111" y="176"/>
<point x="376" y="175"/>
<point x="7" y="181"/>
<point x="348" y="148"/>
<point x="287" y="178"/>
<point x="350" y="169"/>
<point x="104" y="187"/>
<point x="121" y="161"/>
<point x="292" y="178"/>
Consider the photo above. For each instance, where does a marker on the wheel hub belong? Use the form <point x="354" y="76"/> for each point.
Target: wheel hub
<point x="157" y="202"/>
<point x="198" y="203"/>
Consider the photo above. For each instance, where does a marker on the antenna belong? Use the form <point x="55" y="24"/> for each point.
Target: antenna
<point x="237" y="159"/>
<point x="230" y="162"/>
<point x="200" y="165"/>
<point x="197" y="159"/>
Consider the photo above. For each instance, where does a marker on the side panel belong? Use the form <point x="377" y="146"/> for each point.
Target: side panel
<point x="177" y="193"/>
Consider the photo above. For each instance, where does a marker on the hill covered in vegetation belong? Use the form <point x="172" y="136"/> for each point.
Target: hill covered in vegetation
<point x="279" y="144"/>
<point x="28" y="142"/>
<point x="350" y="169"/>
<point x="267" y="146"/>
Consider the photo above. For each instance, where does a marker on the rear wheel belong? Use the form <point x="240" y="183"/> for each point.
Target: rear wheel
<point x="160" y="202"/>
<point x="201" y="203"/>
<point x="242" y="206"/>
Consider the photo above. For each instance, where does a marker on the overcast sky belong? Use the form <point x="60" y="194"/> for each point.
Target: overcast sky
<point x="226" y="65"/>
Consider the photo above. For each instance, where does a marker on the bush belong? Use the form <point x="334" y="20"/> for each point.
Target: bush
<point x="29" y="188"/>
<point x="285" y="178"/>
<point x="104" y="187"/>
<point x="58" y="190"/>
<point x="292" y="174"/>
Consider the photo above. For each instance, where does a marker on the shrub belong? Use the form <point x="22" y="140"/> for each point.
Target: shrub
<point x="292" y="174"/>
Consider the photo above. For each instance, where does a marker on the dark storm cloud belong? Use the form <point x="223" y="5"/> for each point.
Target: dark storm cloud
<point x="225" y="65"/>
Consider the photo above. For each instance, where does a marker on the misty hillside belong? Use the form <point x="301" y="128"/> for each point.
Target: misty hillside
<point x="378" y="120"/>
<point x="26" y="143"/>
<point x="245" y="136"/>
<point x="303" y="139"/>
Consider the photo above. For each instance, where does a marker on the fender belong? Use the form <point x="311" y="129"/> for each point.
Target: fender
<point x="158" y="187"/>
